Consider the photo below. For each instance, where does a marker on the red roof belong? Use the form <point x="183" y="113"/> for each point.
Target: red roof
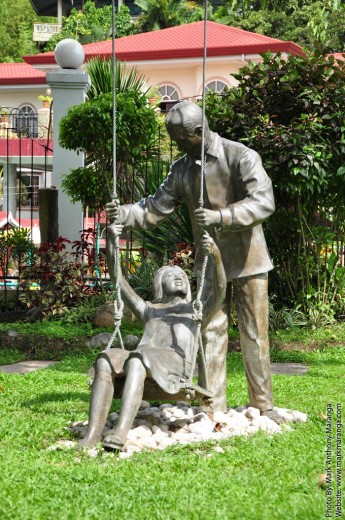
<point x="183" y="41"/>
<point x="20" y="73"/>
<point x="337" y="55"/>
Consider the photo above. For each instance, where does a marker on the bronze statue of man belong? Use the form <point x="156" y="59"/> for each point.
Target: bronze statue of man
<point x="238" y="197"/>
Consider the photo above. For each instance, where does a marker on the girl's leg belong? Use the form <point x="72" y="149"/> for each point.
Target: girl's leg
<point x="101" y="397"/>
<point x="131" y="398"/>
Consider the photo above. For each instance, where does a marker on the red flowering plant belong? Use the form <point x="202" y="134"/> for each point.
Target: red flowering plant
<point x="184" y="257"/>
<point x="57" y="278"/>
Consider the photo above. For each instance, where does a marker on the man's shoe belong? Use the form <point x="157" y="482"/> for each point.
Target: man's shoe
<point x="273" y="415"/>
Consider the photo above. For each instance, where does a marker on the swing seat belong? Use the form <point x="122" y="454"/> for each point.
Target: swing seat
<point x="153" y="392"/>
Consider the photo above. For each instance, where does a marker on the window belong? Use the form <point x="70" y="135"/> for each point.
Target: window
<point x="25" y="121"/>
<point x="29" y="185"/>
<point x="216" y="85"/>
<point x="170" y="97"/>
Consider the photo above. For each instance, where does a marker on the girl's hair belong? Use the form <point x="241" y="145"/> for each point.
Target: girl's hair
<point x="157" y="288"/>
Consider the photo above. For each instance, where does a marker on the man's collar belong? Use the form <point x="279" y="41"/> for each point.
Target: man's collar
<point x="212" y="150"/>
<point x="214" y="146"/>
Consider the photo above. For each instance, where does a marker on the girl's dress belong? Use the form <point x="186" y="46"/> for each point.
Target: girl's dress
<point x="166" y="347"/>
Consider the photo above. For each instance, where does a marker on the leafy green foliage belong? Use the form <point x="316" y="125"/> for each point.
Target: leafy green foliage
<point x="291" y="112"/>
<point x="312" y="24"/>
<point x="88" y="127"/>
<point x="101" y="75"/>
<point x="15" y="248"/>
<point x="92" y="24"/>
<point x="161" y="14"/>
<point x="16" y="29"/>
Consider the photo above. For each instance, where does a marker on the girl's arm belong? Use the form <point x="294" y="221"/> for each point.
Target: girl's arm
<point x="130" y="298"/>
<point x="213" y="301"/>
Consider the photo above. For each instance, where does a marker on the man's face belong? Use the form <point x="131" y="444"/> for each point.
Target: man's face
<point x="186" y="141"/>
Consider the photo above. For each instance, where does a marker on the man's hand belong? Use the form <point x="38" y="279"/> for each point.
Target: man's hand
<point x="112" y="210"/>
<point x="207" y="217"/>
<point x="208" y="244"/>
<point x="116" y="229"/>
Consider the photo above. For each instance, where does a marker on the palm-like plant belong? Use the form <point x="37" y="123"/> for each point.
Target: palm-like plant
<point x="101" y="74"/>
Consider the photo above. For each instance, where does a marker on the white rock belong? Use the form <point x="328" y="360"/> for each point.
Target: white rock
<point x="252" y="429"/>
<point x="268" y="425"/>
<point x="252" y="413"/>
<point x="125" y="455"/>
<point x="178" y="413"/>
<point x="146" y="443"/>
<point x="299" y="416"/>
<point x="159" y="436"/>
<point x="201" y="427"/>
<point x="165" y="442"/>
<point x="142" y="431"/>
<point x="130" y="448"/>
<point x="218" y="449"/>
<point x="185" y="437"/>
<point x="190" y="412"/>
<point x="220" y="417"/>
<point x="233" y="413"/>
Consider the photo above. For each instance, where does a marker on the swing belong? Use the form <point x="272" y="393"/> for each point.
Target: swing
<point x="152" y="391"/>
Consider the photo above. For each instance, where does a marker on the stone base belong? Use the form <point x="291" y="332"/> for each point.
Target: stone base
<point x="168" y="425"/>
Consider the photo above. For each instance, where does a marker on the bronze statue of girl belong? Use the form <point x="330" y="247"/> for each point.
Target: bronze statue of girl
<point x="165" y="351"/>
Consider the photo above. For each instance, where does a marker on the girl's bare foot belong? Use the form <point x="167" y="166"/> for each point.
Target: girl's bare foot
<point x="87" y="443"/>
<point x="113" y="442"/>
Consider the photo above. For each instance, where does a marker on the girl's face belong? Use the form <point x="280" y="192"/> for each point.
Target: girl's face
<point x="175" y="282"/>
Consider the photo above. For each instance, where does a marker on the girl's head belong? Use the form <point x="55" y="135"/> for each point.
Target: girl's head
<point x="170" y="281"/>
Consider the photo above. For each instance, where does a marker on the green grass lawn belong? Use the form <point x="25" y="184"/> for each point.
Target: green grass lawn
<point x="258" y="477"/>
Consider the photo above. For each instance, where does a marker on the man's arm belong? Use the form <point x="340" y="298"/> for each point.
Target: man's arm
<point x="255" y="198"/>
<point x="148" y="212"/>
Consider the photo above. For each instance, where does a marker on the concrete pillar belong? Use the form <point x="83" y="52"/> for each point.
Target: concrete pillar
<point x="10" y="188"/>
<point x="69" y="86"/>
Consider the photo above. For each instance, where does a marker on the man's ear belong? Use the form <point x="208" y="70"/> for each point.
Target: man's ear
<point x="198" y="131"/>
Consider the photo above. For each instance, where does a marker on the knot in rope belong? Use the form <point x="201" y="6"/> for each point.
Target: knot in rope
<point x="118" y="310"/>
<point x="197" y="310"/>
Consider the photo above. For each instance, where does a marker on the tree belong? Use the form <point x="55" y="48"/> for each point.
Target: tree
<point x="292" y="112"/>
<point x="89" y="128"/>
<point x="161" y="14"/>
<point x="311" y="24"/>
<point x="92" y="24"/>
<point x="16" y="33"/>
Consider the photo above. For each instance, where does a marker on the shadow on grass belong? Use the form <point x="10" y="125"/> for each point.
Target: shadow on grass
<point x="56" y="398"/>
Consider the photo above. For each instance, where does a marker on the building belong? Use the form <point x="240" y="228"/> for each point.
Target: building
<point x="170" y="59"/>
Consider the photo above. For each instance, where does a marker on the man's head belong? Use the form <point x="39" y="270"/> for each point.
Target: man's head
<point x="170" y="281"/>
<point x="184" y="124"/>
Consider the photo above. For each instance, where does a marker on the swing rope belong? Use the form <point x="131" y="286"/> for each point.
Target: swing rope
<point x="197" y="304"/>
<point x="118" y="303"/>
